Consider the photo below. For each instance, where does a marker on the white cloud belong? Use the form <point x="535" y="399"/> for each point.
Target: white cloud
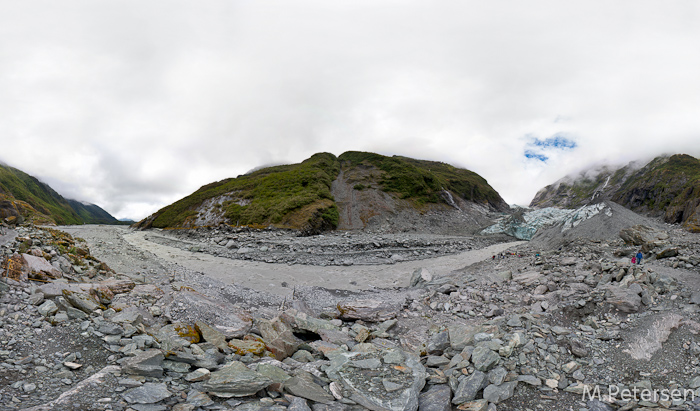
<point x="132" y="105"/>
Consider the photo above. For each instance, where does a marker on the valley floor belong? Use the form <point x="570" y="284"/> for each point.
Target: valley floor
<point x="107" y="244"/>
<point x="525" y="331"/>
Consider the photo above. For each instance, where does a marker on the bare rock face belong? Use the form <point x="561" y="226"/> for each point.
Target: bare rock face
<point x="650" y="338"/>
<point x="190" y="307"/>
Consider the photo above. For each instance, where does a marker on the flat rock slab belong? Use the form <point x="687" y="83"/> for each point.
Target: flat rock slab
<point x="235" y="380"/>
<point x="148" y="393"/>
<point x="303" y="386"/>
<point x="148" y="364"/>
<point x="368" y="310"/>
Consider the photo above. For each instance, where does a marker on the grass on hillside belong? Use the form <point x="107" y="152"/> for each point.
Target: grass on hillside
<point x="422" y="181"/>
<point x="39" y="195"/>
<point x="267" y="195"/>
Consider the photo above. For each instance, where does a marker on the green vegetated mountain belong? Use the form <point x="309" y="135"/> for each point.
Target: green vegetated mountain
<point x="304" y="195"/>
<point x="667" y="186"/>
<point x="23" y="197"/>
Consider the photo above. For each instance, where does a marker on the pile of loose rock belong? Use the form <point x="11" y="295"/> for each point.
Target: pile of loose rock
<point x="535" y="330"/>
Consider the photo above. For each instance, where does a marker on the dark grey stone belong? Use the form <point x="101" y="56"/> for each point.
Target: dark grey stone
<point x="470" y="387"/>
<point x="437" y="398"/>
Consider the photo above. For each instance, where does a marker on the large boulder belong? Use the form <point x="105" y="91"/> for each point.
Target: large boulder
<point x="462" y="335"/>
<point x="191" y="307"/>
<point x="641" y="234"/>
<point x="38" y="268"/>
<point x="624" y="299"/>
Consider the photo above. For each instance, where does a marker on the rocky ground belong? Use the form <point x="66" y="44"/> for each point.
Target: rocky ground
<point x="335" y="248"/>
<point x="100" y="324"/>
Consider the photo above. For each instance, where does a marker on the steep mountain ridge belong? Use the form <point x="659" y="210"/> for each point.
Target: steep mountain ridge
<point x="352" y="191"/>
<point x="25" y="197"/>
<point x="667" y="187"/>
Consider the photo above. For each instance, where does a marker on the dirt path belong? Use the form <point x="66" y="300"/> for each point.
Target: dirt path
<point x="281" y="278"/>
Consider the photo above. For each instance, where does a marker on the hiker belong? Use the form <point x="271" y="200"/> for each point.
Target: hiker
<point x="634" y="259"/>
<point x="639" y="257"/>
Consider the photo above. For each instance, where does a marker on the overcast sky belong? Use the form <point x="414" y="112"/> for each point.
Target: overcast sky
<point x="134" y="104"/>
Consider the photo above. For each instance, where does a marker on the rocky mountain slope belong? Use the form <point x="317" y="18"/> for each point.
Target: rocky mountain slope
<point x="352" y="191"/>
<point x="667" y="187"/>
<point x="25" y="197"/>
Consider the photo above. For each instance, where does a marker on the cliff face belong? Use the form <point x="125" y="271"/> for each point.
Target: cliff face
<point x="667" y="187"/>
<point x="327" y="192"/>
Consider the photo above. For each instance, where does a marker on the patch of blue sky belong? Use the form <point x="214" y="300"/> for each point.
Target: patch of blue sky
<point x="559" y="141"/>
<point x="536" y="156"/>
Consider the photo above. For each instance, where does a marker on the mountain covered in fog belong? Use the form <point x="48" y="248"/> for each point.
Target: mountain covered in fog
<point x="667" y="187"/>
<point x="23" y="197"/>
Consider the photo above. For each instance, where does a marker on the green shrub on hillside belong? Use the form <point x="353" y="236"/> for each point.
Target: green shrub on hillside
<point x="422" y="181"/>
<point x="270" y="194"/>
